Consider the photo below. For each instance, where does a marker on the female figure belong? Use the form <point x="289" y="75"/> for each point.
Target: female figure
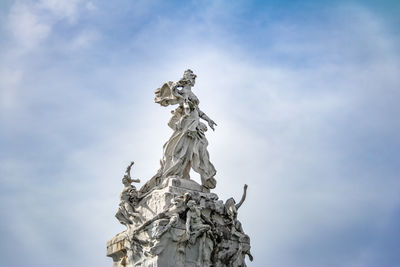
<point x="187" y="147"/>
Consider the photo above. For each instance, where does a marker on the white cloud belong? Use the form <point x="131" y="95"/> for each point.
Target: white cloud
<point x="62" y="9"/>
<point x="90" y="6"/>
<point x="31" y="23"/>
<point x="84" y="39"/>
<point x="26" y="26"/>
<point x="9" y="82"/>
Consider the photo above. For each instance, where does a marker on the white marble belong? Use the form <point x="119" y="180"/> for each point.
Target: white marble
<point x="182" y="227"/>
<point x="173" y="221"/>
<point x="186" y="149"/>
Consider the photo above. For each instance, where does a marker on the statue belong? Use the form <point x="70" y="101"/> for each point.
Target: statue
<point x="173" y="221"/>
<point x="195" y="228"/>
<point x="231" y="206"/>
<point x="236" y="230"/>
<point x="130" y="197"/>
<point x="194" y="225"/>
<point x="187" y="147"/>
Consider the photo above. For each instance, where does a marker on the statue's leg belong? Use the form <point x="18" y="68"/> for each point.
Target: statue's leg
<point x="202" y="165"/>
<point x="186" y="171"/>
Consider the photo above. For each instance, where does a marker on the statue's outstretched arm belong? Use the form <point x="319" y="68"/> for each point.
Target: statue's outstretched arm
<point x="211" y="123"/>
<point x="243" y="197"/>
<point x="128" y="173"/>
<point x="128" y="169"/>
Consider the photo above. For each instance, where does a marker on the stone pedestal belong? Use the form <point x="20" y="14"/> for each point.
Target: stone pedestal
<point x="181" y="223"/>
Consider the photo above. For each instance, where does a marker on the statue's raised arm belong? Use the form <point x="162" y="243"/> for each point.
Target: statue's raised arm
<point x="187" y="147"/>
<point x="243" y="197"/>
<point x="128" y="173"/>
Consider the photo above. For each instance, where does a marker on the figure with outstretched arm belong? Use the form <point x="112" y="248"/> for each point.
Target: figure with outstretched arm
<point x="130" y="197"/>
<point x="128" y="173"/>
<point x="243" y="197"/>
<point x="231" y="207"/>
<point x="186" y="149"/>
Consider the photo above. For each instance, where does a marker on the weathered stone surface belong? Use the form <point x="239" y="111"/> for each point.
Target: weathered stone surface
<point x="186" y="149"/>
<point x="181" y="225"/>
<point x="173" y="221"/>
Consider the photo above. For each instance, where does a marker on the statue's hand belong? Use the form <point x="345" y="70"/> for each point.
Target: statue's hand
<point x="211" y="123"/>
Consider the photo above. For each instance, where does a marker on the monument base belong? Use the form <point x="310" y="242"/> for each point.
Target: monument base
<point x="181" y="224"/>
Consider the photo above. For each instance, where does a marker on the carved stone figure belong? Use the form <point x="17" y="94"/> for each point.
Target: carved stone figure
<point x="194" y="225"/>
<point x="231" y="206"/>
<point x="192" y="229"/>
<point x="187" y="147"/>
<point x="237" y="231"/>
<point x="173" y="221"/>
<point x="195" y="228"/>
<point x="179" y="203"/>
<point x="126" y="213"/>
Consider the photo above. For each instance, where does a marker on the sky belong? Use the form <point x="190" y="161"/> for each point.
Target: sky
<point x="306" y="98"/>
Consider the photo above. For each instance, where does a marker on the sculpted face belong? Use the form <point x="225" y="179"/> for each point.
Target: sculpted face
<point x="126" y="181"/>
<point x="191" y="204"/>
<point x="190" y="76"/>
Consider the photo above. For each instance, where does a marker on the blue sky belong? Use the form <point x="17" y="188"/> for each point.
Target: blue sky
<point x="305" y="95"/>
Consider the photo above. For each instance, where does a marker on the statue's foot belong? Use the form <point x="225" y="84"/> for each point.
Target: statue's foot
<point x="210" y="183"/>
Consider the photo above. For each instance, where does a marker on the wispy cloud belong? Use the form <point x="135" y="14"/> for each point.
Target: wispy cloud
<point x="26" y="26"/>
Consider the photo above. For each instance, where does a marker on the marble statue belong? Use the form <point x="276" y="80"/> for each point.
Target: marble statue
<point x="173" y="221"/>
<point x="190" y="228"/>
<point x="231" y="206"/>
<point x="186" y="149"/>
<point x="130" y="197"/>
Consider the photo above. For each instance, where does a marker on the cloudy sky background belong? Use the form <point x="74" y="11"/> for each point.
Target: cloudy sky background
<point x="306" y="97"/>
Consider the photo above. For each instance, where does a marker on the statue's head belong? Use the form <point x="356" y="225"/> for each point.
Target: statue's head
<point x="230" y="207"/>
<point x="191" y="204"/>
<point x="189" y="76"/>
<point x="229" y="203"/>
<point x="126" y="180"/>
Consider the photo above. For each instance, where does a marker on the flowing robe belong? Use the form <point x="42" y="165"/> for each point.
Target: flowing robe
<point x="187" y="147"/>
